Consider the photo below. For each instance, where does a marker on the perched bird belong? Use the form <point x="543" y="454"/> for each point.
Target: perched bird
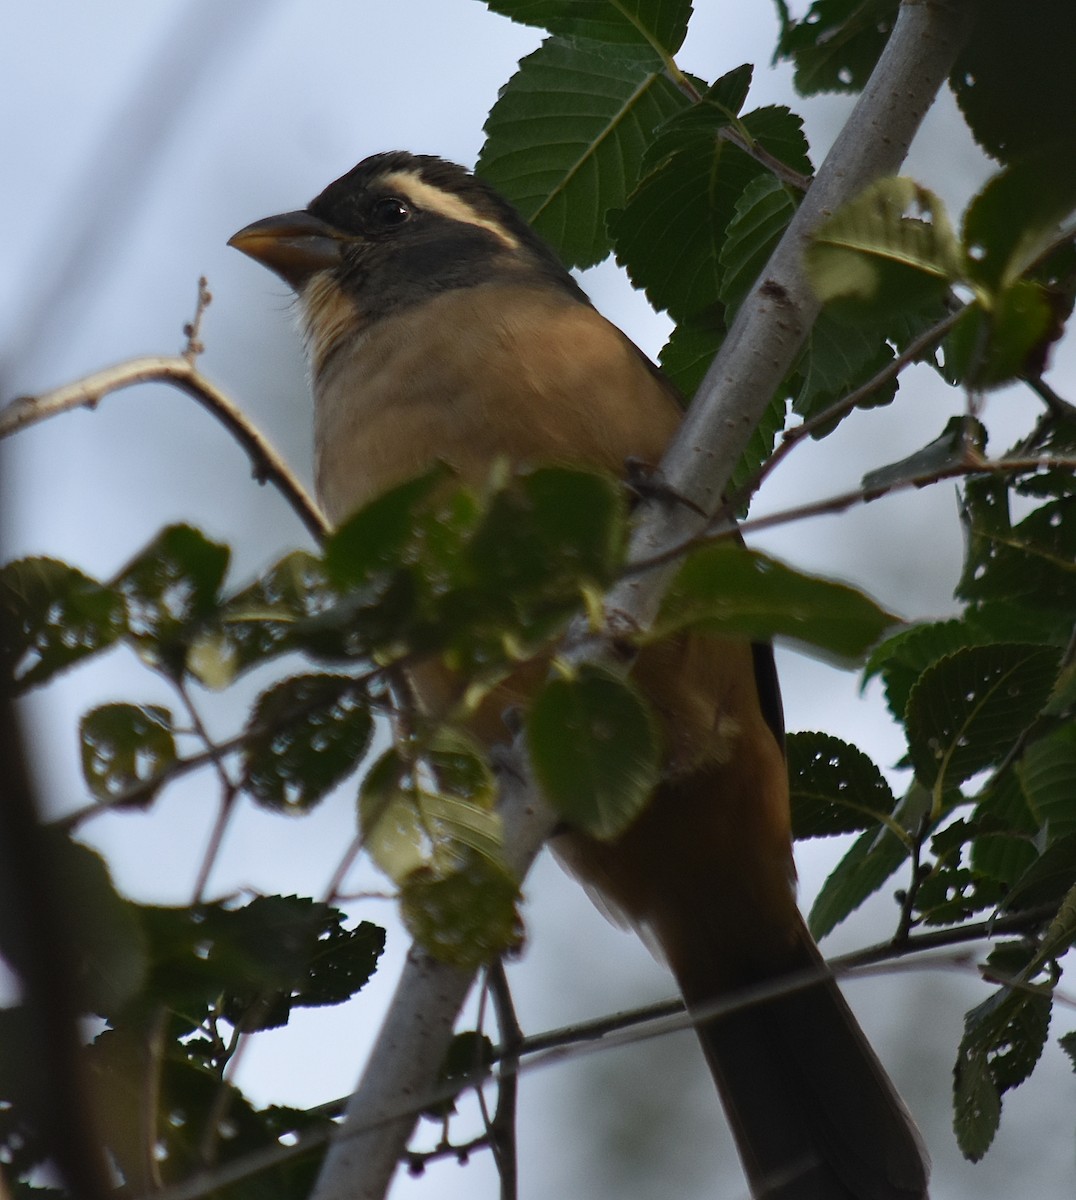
<point x="439" y="326"/>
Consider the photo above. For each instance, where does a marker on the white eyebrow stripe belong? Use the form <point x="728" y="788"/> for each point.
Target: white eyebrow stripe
<point x="423" y="195"/>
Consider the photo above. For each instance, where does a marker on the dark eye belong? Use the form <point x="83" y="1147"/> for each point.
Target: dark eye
<point x="390" y="210"/>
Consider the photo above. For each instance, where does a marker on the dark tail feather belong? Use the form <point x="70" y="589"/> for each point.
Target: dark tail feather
<point x="814" y="1114"/>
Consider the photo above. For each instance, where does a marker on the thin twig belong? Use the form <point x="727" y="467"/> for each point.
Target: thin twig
<point x="840" y="408"/>
<point x="193" y="329"/>
<point x="737" y="136"/>
<point x="502" y="1129"/>
<point x="229" y="791"/>
<point x="179" y="372"/>
<point x="722" y="527"/>
<point x="1057" y="405"/>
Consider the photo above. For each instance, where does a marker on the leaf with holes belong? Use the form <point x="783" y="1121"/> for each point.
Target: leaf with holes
<point x="52" y="616"/>
<point x="1017" y="217"/>
<point x="1032" y="562"/>
<point x="903" y="657"/>
<point x="835" y="787"/>
<point x="465" y="916"/>
<point x="991" y="346"/>
<point x="836" y="43"/>
<point x="966" y="711"/>
<point x="171" y="590"/>
<point x="890" y="249"/>
<point x="256" y="962"/>
<point x="1003" y="1039"/>
<point x="260" y="621"/>
<point x="126" y="746"/>
<point x="305" y="735"/>
<point x="1010" y="42"/>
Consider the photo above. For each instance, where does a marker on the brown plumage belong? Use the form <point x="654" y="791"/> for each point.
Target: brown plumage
<point x="440" y="327"/>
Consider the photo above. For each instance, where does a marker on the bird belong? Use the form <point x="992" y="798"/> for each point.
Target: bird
<point x="440" y="327"/>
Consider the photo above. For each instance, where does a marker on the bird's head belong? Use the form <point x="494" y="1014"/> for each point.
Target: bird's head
<point x="393" y="232"/>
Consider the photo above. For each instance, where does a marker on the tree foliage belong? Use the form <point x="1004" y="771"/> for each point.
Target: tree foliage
<point x="611" y="149"/>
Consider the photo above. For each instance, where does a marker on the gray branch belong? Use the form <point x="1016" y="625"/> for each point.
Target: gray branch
<point x="766" y="335"/>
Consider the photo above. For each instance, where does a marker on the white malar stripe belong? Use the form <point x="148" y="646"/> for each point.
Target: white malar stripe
<point x="423" y="195"/>
<point x="326" y="316"/>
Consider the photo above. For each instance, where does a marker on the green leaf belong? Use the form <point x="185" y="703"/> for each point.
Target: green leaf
<point x="1067" y="1041"/>
<point x="890" y="249"/>
<point x="305" y="735"/>
<point x="966" y="710"/>
<point x="51" y="616"/>
<point x="949" y="448"/>
<point x="727" y="589"/>
<point x="992" y="346"/>
<point x="126" y="1067"/>
<point x="1047" y="774"/>
<point x="1029" y="43"/>
<point x="469" y="1055"/>
<point x="1006" y="1033"/>
<point x="835" y="787"/>
<point x="389" y="817"/>
<point x="369" y="542"/>
<point x="171" y="590"/>
<point x="24" y="1141"/>
<point x="685" y="359"/>
<point x="629" y="25"/>
<point x="1049" y="878"/>
<point x="951" y="895"/>
<point x="836" y="43"/>
<point x="872" y="859"/>
<point x="126" y="746"/>
<point x="691" y="347"/>
<point x="1004" y="846"/>
<point x="762" y="214"/>
<point x="466" y="916"/>
<point x="259" y="622"/>
<point x="1017" y="216"/>
<point x="1061" y="934"/>
<point x="673" y="229"/>
<point x="255" y="962"/>
<point x="1033" y="562"/>
<point x="553" y="526"/>
<point x="431" y="810"/>
<point x="836" y="360"/>
<point x="566" y="139"/>
<point x="976" y="1105"/>
<point x="112" y="955"/>
<point x="594" y="749"/>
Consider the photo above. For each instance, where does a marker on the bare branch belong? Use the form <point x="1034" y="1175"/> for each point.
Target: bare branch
<point x="181" y="373"/>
